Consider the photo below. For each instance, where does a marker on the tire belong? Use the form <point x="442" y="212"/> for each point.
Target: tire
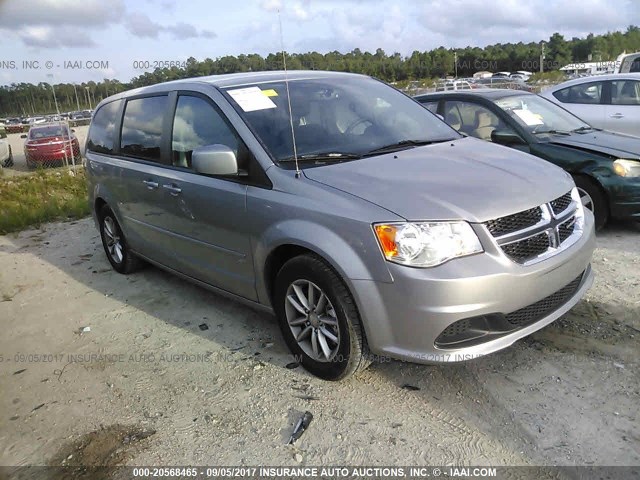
<point x="334" y="322"/>
<point x="115" y="245"/>
<point x="593" y="199"/>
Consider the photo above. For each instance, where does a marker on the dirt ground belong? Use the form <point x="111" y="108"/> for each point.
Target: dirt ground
<point x="171" y="374"/>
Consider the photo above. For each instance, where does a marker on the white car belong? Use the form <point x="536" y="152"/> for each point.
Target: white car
<point x="610" y="102"/>
<point x="6" y="157"/>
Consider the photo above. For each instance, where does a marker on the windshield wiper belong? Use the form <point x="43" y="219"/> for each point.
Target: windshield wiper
<point x="324" y="156"/>
<point x="583" y="129"/>
<point x="553" y="132"/>
<point x="404" y="144"/>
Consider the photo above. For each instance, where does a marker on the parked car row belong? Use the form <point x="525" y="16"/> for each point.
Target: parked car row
<point x="22" y="124"/>
<point x="368" y="226"/>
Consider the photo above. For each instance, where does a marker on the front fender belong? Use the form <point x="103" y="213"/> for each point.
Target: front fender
<point x="353" y="257"/>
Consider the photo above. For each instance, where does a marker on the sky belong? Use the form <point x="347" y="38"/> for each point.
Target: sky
<point x="58" y="41"/>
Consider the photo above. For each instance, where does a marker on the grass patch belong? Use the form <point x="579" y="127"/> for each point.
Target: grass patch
<point x="41" y="197"/>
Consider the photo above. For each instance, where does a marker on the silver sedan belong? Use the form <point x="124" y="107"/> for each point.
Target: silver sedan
<point x="610" y="102"/>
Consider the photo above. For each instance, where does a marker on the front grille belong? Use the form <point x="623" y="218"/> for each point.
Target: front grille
<point x="528" y="248"/>
<point x="529" y="235"/>
<point x="513" y="223"/>
<point x="544" y="307"/>
<point x="566" y="229"/>
<point x="560" y="204"/>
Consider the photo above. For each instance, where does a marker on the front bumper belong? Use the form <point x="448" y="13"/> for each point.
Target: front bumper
<point x="406" y="319"/>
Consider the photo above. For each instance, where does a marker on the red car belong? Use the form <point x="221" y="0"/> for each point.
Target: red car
<point x="51" y="144"/>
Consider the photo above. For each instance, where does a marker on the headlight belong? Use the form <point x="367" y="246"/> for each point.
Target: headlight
<point x="426" y="244"/>
<point x="627" y="168"/>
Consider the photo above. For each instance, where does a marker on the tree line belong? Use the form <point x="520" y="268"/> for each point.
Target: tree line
<point x="29" y="99"/>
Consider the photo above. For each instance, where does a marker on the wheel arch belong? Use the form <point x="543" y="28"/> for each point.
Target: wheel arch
<point x="292" y="238"/>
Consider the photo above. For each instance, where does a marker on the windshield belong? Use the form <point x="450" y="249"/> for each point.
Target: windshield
<point x="49" y="131"/>
<point x="340" y="118"/>
<point x="539" y="115"/>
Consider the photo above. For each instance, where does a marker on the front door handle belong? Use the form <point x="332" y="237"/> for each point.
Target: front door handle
<point x="617" y="115"/>
<point x="151" y="185"/>
<point x="173" y="189"/>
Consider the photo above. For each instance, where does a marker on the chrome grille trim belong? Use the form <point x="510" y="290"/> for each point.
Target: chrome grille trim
<point x="561" y="221"/>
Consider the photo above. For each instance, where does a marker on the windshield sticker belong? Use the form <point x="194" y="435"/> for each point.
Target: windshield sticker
<point x="528" y="117"/>
<point x="270" y="93"/>
<point x="251" y="99"/>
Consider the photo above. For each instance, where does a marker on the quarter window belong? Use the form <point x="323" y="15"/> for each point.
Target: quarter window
<point x="198" y="123"/>
<point x="142" y="127"/>
<point x="102" y="131"/>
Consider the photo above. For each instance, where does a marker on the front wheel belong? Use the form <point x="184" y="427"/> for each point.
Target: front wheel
<point x="593" y="199"/>
<point x="115" y="245"/>
<point x="319" y="319"/>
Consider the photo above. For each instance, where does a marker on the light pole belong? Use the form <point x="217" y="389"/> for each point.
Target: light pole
<point x="455" y="60"/>
<point x="77" y="101"/>
<point x="88" y="96"/>
<point x="55" y="100"/>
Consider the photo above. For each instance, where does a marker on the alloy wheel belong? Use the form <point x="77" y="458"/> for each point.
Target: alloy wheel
<point x="113" y="240"/>
<point x="312" y="320"/>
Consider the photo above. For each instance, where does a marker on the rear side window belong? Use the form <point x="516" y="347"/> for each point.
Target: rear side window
<point x="431" y="106"/>
<point x="142" y="127"/>
<point x="587" y="93"/>
<point x="625" y="92"/>
<point x="102" y="131"/>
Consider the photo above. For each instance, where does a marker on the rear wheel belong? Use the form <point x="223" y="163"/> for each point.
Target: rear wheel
<point x="319" y="319"/>
<point x="115" y="245"/>
<point x="593" y="199"/>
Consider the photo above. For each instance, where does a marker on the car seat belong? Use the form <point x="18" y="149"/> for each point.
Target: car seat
<point x="483" y="125"/>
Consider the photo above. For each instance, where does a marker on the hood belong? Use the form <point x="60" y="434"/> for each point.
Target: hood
<point x="610" y="143"/>
<point x="466" y="179"/>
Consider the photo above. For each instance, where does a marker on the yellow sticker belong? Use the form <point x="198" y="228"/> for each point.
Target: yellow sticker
<point x="270" y="93"/>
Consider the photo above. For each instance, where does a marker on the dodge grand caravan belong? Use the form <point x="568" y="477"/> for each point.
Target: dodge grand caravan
<point x="367" y="225"/>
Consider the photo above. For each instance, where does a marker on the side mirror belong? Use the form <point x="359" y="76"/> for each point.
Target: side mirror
<point x="23" y="136"/>
<point x="214" y="160"/>
<point x="506" y="137"/>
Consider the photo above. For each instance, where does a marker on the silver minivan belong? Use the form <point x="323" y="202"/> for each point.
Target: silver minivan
<point x="367" y="225"/>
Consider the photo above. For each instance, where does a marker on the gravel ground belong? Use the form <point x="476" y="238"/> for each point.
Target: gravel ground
<point x="171" y="374"/>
